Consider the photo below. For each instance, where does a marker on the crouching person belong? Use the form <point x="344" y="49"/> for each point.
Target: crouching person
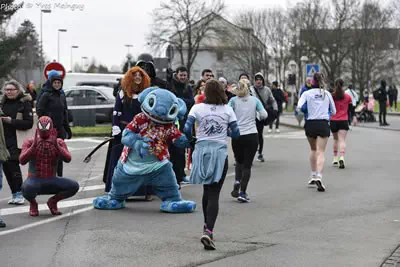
<point x="42" y="152"/>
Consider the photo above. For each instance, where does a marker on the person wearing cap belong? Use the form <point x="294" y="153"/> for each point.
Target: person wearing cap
<point x="280" y="98"/>
<point x="224" y="83"/>
<point x="264" y="94"/>
<point x="53" y="104"/>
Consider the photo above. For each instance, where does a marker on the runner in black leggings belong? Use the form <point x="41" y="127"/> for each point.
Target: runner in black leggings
<point x="245" y="147"/>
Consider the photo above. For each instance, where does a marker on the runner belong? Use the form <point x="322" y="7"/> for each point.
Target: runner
<point x="340" y="122"/>
<point x="43" y="151"/>
<point x="246" y="108"/>
<point x="318" y="104"/>
<point x="210" y="157"/>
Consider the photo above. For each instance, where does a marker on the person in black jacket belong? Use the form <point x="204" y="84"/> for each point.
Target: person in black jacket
<point x="53" y="104"/>
<point x="280" y="98"/>
<point x="180" y="87"/>
<point x="383" y="97"/>
<point x="146" y="62"/>
<point x="16" y="115"/>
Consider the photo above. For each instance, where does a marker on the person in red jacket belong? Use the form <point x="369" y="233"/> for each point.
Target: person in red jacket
<point x="42" y="152"/>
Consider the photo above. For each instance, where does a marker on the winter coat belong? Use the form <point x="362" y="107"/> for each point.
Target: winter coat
<point x="4" y="154"/>
<point x="182" y="91"/>
<point x="279" y="97"/>
<point x="53" y="103"/>
<point x="11" y="108"/>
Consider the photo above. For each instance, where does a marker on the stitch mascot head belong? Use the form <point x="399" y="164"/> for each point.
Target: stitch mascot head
<point x="45" y="127"/>
<point x="161" y="106"/>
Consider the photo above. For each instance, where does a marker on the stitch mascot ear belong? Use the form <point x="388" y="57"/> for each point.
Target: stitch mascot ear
<point x="182" y="108"/>
<point x="142" y="95"/>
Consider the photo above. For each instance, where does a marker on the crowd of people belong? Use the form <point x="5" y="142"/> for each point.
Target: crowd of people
<point x="215" y="111"/>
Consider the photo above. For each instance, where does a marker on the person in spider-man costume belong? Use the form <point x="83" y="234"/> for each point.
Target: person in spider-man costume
<point x="42" y="152"/>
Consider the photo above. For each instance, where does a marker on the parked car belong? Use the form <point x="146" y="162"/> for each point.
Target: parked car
<point x="103" y="97"/>
<point x="96" y="84"/>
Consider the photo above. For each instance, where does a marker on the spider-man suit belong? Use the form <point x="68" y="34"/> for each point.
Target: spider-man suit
<point x="42" y="152"/>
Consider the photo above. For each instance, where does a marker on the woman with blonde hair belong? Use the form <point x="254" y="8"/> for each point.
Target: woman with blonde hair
<point x="245" y="147"/>
<point x="126" y="107"/>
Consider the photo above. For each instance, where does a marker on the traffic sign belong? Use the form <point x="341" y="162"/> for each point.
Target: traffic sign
<point x="54" y="66"/>
<point x="311" y="69"/>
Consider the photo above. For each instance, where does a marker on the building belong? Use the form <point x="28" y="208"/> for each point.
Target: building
<point x="224" y="56"/>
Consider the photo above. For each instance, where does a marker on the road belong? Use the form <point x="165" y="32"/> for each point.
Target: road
<point x="355" y="222"/>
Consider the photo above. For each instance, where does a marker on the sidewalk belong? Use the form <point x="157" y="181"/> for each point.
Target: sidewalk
<point x="290" y="120"/>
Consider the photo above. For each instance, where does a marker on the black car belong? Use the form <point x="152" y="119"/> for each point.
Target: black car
<point x="101" y="97"/>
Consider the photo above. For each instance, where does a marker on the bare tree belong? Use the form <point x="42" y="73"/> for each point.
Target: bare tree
<point x="183" y="24"/>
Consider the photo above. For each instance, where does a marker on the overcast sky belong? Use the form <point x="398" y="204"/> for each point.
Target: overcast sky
<point x="101" y="28"/>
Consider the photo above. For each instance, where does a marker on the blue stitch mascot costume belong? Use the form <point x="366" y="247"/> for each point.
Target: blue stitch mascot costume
<point x="144" y="160"/>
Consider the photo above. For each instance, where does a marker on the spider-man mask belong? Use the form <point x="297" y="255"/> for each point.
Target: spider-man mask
<point x="45" y="126"/>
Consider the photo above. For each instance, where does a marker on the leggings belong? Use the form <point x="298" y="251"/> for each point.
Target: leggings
<point x="260" y="130"/>
<point x="276" y="122"/>
<point x="211" y="200"/>
<point x="13" y="174"/>
<point x="62" y="187"/>
<point x="244" y="149"/>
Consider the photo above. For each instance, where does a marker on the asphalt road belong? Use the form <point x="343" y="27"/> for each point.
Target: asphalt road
<point x="355" y="222"/>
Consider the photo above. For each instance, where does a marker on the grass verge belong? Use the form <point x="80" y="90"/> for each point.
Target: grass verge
<point x="100" y="130"/>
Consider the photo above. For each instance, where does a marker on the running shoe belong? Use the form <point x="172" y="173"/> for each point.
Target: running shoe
<point x="19" y="199"/>
<point x="341" y="162"/>
<point x="186" y="180"/>
<point x="335" y="161"/>
<point x="269" y="130"/>
<point x="311" y="182"/>
<point x="320" y="185"/>
<point x="260" y="158"/>
<point x="207" y="240"/>
<point x="236" y="187"/>
<point x="12" y="199"/>
<point x="2" y="223"/>
<point x="277" y="130"/>
<point x="243" y="197"/>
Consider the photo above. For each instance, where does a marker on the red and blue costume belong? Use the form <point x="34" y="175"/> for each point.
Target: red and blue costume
<point x="42" y="152"/>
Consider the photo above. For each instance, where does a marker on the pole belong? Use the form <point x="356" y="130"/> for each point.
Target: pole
<point x="41" y="46"/>
<point x="58" y="47"/>
<point x="72" y="48"/>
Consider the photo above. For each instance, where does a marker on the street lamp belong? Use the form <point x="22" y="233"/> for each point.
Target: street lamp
<point x="58" y="43"/>
<point x="72" y="62"/>
<point x="41" y="39"/>
<point x="129" y="58"/>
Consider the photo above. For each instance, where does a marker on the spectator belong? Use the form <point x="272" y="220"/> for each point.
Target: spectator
<point x="206" y="74"/>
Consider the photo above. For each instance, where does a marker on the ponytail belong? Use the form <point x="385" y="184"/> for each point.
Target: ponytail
<point x="338" y="92"/>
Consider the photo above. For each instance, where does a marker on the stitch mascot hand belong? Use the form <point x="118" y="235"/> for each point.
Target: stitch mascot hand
<point x="145" y="158"/>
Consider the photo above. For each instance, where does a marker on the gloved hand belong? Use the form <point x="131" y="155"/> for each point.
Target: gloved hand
<point x="142" y="147"/>
<point x="116" y="130"/>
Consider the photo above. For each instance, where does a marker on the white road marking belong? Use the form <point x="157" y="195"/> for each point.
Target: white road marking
<point x="42" y="207"/>
<point x="289" y="135"/>
<point x="91" y="188"/>
<point x="56" y="218"/>
<point x="95" y="177"/>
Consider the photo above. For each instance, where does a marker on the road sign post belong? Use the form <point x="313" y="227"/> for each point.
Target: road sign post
<point x="311" y="69"/>
<point x="54" y="66"/>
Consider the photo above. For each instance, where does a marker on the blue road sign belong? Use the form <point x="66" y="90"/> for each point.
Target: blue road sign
<point x="311" y="69"/>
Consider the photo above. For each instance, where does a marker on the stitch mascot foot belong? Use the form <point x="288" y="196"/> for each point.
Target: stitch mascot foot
<point x="106" y="203"/>
<point x="182" y="206"/>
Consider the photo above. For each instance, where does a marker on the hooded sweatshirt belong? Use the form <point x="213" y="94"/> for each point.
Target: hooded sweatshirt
<point x="264" y="94"/>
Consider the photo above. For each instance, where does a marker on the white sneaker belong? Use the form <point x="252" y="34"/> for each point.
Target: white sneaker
<point x="19" y="200"/>
<point x="269" y="130"/>
<point x="12" y="200"/>
<point x="277" y="130"/>
<point x="311" y="182"/>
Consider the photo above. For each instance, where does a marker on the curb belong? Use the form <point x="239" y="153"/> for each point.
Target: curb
<point x="290" y="125"/>
<point x="379" y="128"/>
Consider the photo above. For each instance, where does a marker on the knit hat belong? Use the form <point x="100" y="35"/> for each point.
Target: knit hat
<point x="51" y="74"/>
<point x="56" y="77"/>
<point x="222" y="80"/>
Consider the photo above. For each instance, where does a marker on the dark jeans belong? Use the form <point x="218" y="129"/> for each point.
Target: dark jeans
<point x="211" y="199"/>
<point x="13" y="174"/>
<point x="260" y="130"/>
<point x="244" y="149"/>
<point x="382" y="111"/>
<point x="276" y="122"/>
<point x="62" y="187"/>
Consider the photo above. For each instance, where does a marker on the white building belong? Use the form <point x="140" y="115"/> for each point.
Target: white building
<point x="217" y="53"/>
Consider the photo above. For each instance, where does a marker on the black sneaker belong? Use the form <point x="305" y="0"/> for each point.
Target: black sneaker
<point x="235" y="192"/>
<point x="260" y="158"/>
<point x="2" y="223"/>
<point x="207" y="240"/>
<point x="243" y="197"/>
<point x="320" y="185"/>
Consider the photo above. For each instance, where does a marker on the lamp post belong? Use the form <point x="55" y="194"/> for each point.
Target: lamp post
<point x="72" y="62"/>
<point x="58" y="43"/>
<point x="41" y="39"/>
<point x="129" y="58"/>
